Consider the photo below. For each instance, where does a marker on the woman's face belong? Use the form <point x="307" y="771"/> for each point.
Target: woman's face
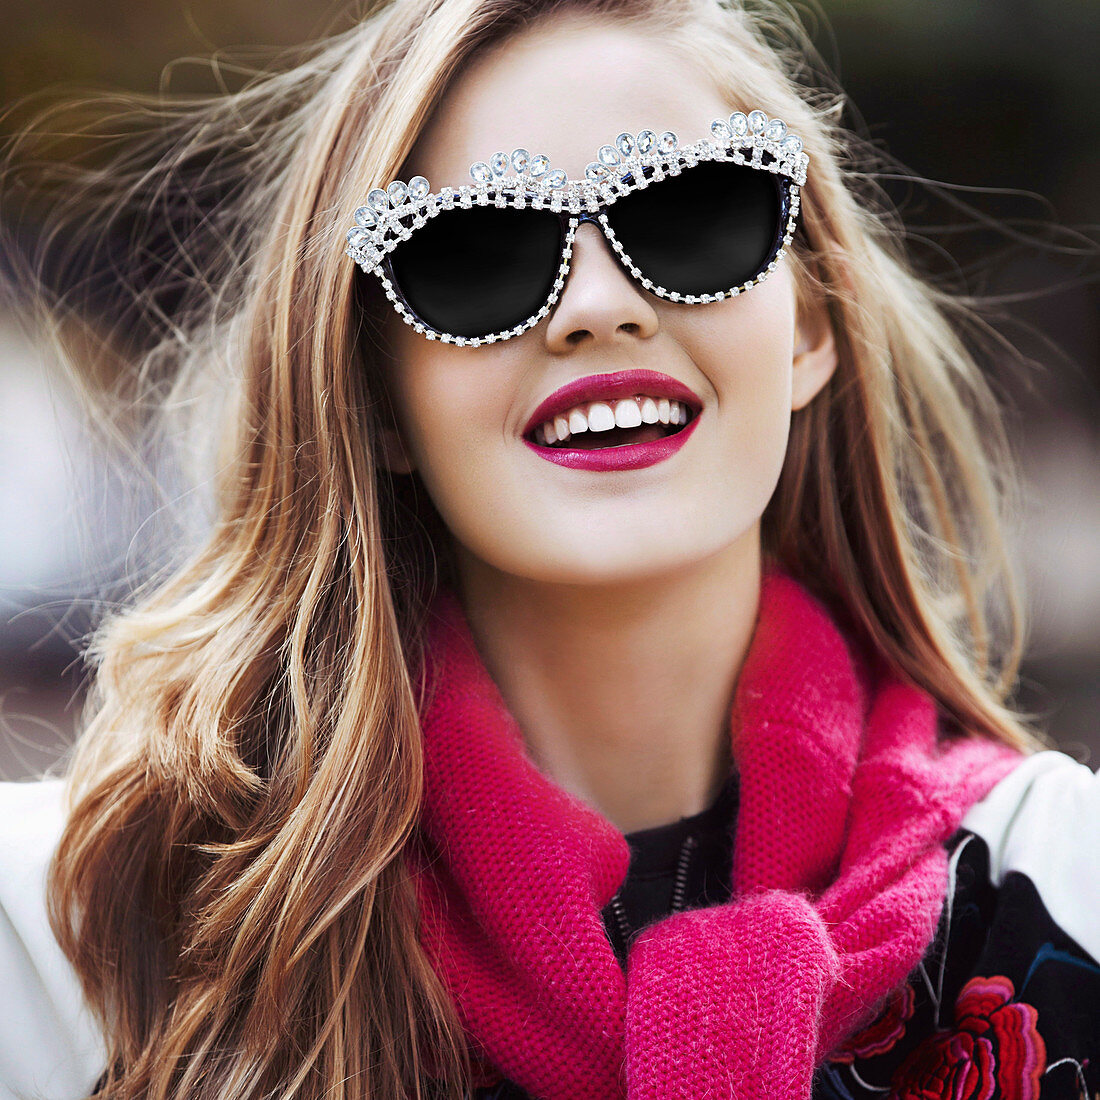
<point x="565" y="88"/>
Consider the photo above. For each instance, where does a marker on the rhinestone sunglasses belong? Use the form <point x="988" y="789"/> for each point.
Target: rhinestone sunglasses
<point x="487" y="261"/>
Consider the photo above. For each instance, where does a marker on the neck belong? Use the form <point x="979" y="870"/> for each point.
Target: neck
<point x="623" y="694"/>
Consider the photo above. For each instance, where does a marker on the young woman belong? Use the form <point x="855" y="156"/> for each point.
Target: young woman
<point x="595" y="678"/>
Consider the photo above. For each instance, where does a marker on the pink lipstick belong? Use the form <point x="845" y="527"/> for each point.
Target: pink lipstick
<point x="609" y="388"/>
<point x="631" y="456"/>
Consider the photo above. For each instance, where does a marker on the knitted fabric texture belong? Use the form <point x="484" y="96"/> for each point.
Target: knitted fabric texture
<point x="839" y="876"/>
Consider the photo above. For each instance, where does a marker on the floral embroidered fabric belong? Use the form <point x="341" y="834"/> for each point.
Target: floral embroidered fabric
<point x="1004" y="1005"/>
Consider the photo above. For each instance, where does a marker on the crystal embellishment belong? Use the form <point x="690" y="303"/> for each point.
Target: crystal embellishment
<point x="625" y="144"/>
<point x="518" y="179"/>
<point x="609" y="155"/>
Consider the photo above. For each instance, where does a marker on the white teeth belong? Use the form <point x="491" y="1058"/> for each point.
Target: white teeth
<point x="627" y="414"/>
<point x="602" y="416"/>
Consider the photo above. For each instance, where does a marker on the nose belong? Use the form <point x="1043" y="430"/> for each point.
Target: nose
<point x="599" y="300"/>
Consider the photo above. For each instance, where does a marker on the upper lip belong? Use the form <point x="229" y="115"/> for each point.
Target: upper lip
<point x="607" y="387"/>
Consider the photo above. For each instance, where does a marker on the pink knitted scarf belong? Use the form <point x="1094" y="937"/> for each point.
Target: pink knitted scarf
<point x="839" y="876"/>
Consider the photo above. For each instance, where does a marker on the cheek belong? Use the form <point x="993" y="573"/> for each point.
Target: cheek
<point x="745" y="349"/>
<point x="744" y="346"/>
<point x="446" y="405"/>
<point x="418" y="382"/>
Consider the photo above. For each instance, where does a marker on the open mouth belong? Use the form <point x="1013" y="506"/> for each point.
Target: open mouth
<point x="615" y="437"/>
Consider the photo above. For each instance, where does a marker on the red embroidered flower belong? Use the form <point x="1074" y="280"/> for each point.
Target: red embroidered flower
<point x="995" y="1045"/>
<point x="948" y="1066"/>
<point x="879" y="1036"/>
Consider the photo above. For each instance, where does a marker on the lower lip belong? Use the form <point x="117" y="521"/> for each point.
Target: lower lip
<point x="631" y="457"/>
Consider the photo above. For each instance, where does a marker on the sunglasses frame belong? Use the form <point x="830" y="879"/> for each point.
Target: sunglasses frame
<point x="519" y="181"/>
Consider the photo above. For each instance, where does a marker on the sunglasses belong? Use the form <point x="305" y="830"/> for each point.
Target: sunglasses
<point x="487" y="261"/>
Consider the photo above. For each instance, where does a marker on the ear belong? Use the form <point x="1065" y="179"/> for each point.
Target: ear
<point x="815" y="355"/>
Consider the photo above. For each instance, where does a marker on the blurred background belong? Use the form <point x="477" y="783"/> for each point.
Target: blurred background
<point x="998" y="100"/>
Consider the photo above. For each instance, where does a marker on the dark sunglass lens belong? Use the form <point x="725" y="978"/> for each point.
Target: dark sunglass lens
<point x="479" y="271"/>
<point x="713" y="227"/>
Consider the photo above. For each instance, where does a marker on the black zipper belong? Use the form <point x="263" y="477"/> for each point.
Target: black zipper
<point x="678" y="891"/>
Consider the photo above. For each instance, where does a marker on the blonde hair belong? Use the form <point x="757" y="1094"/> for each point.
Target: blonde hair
<point x="231" y="886"/>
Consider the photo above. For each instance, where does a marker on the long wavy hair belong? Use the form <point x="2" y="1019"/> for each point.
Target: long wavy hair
<point x="230" y="885"/>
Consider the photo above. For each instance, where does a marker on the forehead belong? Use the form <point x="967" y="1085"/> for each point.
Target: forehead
<point x="564" y="88"/>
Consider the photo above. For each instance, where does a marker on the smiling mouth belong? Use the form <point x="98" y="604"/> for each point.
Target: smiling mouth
<point x="614" y="437"/>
